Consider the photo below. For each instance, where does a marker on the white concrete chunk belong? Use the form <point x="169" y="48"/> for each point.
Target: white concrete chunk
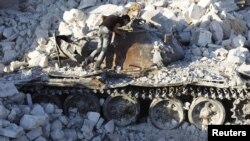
<point x="16" y="65"/>
<point x="12" y="116"/>
<point x="34" y="133"/>
<point x="57" y="134"/>
<point x="8" y="32"/>
<point x="4" y="123"/>
<point x="226" y="43"/>
<point x="204" y="3"/>
<point x="37" y="110"/>
<point x="49" y="108"/>
<point x="56" y="125"/>
<point x="7" y="90"/>
<point x="37" y="59"/>
<point x="12" y="131"/>
<point x="196" y="51"/>
<point x="73" y="15"/>
<point x="109" y="126"/>
<point x="9" y="56"/>
<point x="195" y="12"/>
<point x="99" y="123"/>
<point x="238" y="41"/>
<point x="88" y="125"/>
<point x="93" y="116"/>
<point x="202" y="37"/>
<point x="64" y="29"/>
<point x="64" y="120"/>
<point x="237" y="55"/>
<point x="226" y="6"/>
<point x="217" y="31"/>
<point x="29" y="122"/>
<point x="70" y="134"/>
<point x="3" y="112"/>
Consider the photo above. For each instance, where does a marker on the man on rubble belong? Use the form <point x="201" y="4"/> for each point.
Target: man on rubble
<point x="107" y="31"/>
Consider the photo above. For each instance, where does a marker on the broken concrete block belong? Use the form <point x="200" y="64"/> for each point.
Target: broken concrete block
<point x="70" y="134"/>
<point x="238" y="41"/>
<point x="73" y="15"/>
<point x="202" y="37"/>
<point x="226" y="43"/>
<point x="217" y="31"/>
<point x="204" y="3"/>
<point x="16" y="65"/>
<point x="57" y="134"/>
<point x="64" y="29"/>
<point x="7" y="90"/>
<point x="226" y="6"/>
<point x="99" y="123"/>
<point x="196" y="51"/>
<point x="56" y="125"/>
<point x="41" y="33"/>
<point x="49" y="108"/>
<point x="37" y="59"/>
<point x="29" y="122"/>
<point x="93" y="116"/>
<point x="195" y="12"/>
<point x="12" y="131"/>
<point x="34" y="133"/>
<point x="37" y="110"/>
<point x="237" y="55"/>
<point x="87" y="3"/>
<point x="110" y="126"/>
<point x="8" y="32"/>
<point x="9" y="56"/>
<point x="3" y="112"/>
<point x="88" y="125"/>
<point x="185" y="37"/>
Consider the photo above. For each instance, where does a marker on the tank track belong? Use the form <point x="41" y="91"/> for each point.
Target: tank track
<point x="187" y="93"/>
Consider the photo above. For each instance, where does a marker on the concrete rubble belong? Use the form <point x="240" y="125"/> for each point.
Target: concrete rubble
<point x="213" y="32"/>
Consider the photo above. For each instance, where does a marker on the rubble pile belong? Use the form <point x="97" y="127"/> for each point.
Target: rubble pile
<point x="216" y="35"/>
<point x="23" y="120"/>
<point x="211" y="29"/>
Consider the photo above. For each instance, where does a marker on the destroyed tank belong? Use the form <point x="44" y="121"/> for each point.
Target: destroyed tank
<point x="137" y="81"/>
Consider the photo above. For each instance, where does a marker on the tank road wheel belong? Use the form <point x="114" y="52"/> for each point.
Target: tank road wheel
<point x="204" y="111"/>
<point x="47" y="98"/>
<point x="166" y="113"/>
<point x="241" y="111"/>
<point x="123" y="109"/>
<point x="83" y="102"/>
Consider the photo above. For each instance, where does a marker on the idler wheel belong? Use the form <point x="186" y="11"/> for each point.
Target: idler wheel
<point x="166" y="113"/>
<point x="83" y="102"/>
<point x="204" y="112"/>
<point x="121" y="108"/>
